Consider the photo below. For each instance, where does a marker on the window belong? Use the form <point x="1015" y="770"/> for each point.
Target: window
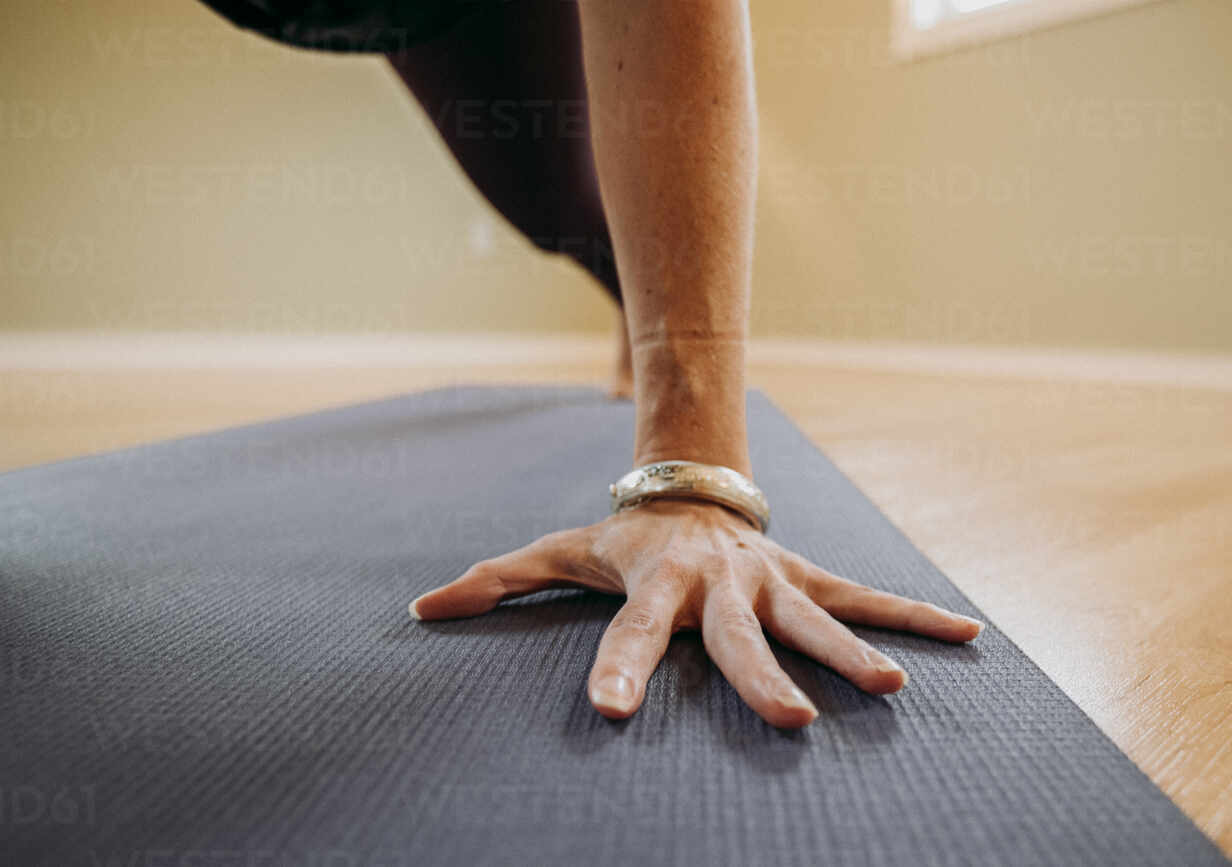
<point x="923" y="27"/>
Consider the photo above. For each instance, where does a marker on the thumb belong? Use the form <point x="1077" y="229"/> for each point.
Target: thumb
<point x="541" y="565"/>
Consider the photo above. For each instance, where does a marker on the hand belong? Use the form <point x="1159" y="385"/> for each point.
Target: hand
<point x="690" y="565"/>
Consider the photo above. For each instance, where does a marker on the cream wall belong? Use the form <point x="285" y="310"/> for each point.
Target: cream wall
<point x="1070" y="187"/>
<point x="161" y="170"/>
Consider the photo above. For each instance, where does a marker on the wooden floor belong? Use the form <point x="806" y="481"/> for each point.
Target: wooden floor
<point x="1091" y="521"/>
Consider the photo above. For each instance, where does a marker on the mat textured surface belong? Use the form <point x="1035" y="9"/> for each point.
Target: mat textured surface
<point x="207" y="660"/>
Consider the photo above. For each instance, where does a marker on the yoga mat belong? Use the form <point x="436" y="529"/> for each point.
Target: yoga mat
<point x="207" y="660"/>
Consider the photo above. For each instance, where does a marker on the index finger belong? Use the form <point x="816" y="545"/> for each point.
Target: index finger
<point x="631" y="648"/>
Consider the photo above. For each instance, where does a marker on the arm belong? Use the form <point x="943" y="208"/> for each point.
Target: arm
<point x="679" y="196"/>
<point x="674" y="132"/>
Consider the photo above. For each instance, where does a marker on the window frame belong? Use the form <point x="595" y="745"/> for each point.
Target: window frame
<point x="991" y="24"/>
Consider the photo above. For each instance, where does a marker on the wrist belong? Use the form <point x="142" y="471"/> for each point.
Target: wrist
<point x="690" y="401"/>
<point x="716" y="454"/>
<point x="693" y="481"/>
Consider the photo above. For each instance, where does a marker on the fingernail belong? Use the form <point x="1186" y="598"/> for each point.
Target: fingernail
<point x="888" y="666"/>
<point x="414" y="612"/>
<point x="614" y="691"/>
<point x="978" y="624"/>
<point x="797" y="698"/>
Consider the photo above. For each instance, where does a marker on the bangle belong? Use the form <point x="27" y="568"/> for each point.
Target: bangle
<point x="688" y="480"/>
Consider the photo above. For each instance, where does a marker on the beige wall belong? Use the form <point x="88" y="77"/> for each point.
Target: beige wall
<point x="160" y="170"/>
<point x="1070" y="187"/>
<point x="164" y="170"/>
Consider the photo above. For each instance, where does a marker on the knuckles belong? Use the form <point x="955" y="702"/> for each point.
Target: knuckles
<point x="731" y="615"/>
<point x="490" y="575"/>
<point x="641" y="621"/>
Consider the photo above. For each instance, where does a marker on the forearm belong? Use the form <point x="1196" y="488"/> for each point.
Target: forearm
<point x="674" y="129"/>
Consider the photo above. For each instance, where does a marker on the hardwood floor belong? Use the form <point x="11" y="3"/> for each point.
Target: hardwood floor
<point x="1092" y="521"/>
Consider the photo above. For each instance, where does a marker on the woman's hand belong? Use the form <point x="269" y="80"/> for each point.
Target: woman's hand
<point x="690" y="565"/>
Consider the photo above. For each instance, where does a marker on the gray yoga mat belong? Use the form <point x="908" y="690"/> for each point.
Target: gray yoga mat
<point x="207" y="661"/>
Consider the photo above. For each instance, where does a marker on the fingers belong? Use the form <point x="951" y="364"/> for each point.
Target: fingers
<point x="797" y="622"/>
<point x="631" y="648"/>
<point x="541" y="565"/>
<point x="855" y="603"/>
<point x="733" y="638"/>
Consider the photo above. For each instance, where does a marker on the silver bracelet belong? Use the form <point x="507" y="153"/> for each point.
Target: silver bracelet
<point x="689" y="480"/>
